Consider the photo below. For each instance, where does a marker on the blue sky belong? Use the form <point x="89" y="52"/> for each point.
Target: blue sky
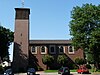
<point x="49" y="19"/>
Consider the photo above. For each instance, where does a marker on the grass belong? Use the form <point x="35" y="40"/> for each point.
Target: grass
<point x="49" y="71"/>
<point x="74" y="70"/>
<point x="91" y="70"/>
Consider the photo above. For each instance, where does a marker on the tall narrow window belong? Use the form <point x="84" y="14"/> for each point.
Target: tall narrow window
<point x="61" y="49"/>
<point x="52" y="49"/>
<point x="71" y="49"/>
<point x="43" y="49"/>
<point x="34" y="50"/>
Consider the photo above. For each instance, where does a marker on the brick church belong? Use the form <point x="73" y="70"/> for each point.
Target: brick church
<point x="28" y="53"/>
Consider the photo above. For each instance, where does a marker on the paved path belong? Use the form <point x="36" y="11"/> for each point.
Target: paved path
<point x="72" y="73"/>
<point x="43" y="73"/>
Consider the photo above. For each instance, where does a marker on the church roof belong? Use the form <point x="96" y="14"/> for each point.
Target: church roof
<point x="50" y="42"/>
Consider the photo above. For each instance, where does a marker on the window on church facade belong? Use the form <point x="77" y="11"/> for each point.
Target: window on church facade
<point x="61" y="49"/>
<point x="43" y="50"/>
<point x="34" y="50"/>
<point x="71" y="49"/>
<point x="52" y="49"/>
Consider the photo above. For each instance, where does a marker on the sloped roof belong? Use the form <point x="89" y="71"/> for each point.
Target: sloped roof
<point x="50" y="42"/>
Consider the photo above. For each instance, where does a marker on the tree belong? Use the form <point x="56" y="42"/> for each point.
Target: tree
<point x="47" y="60"/>
<point x="6" y="38"/>
<point x="95" y="46"/>
<point x="62" y="59"/>
<point x="90" y="58"/>
<point x="85" y="29"/>
<point x="80" y="61"/>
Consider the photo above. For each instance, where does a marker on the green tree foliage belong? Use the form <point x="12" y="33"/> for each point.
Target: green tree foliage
<point x="90" y="58"/>
<point x="47" y="60"/>
<point x="80" y="61"/>
<point x="6" y="37"/>
<point x="85" y="29"/>
<point x="62" y="59"/>
<point x="88" y="66"/>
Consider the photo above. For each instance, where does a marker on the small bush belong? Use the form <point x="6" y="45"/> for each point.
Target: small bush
<point x="80" y="61"/>
<point x="88" y="66"/>
<point x="62" y="59"/>
<point x="1" y="69"/>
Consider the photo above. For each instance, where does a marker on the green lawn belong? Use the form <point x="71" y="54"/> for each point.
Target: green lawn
<point x="74" y="70"/>
<point x="47" y="71"/>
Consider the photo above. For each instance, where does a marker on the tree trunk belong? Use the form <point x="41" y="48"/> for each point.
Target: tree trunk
<point x="47" y="67"/>
<point x="97" y="65"/>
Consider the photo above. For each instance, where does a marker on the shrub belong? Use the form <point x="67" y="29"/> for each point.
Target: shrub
<point x="47" y="60"/>
<point x="1" y="69"/>
<point x="62" y="59"/>
<point x="80" y="61"/>
<point x="73" y="66"/>
<point x="88" y="66"/>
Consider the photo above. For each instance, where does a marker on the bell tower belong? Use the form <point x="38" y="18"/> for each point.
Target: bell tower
<point x="21" y="39"/>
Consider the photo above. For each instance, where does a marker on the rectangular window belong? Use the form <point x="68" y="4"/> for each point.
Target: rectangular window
<point x="34" y="50"/>
<point x="52" y="49"/>
<point x="71" y="49"/>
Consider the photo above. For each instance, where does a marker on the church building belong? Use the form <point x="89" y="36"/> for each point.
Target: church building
<point x="29" y="53"/>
